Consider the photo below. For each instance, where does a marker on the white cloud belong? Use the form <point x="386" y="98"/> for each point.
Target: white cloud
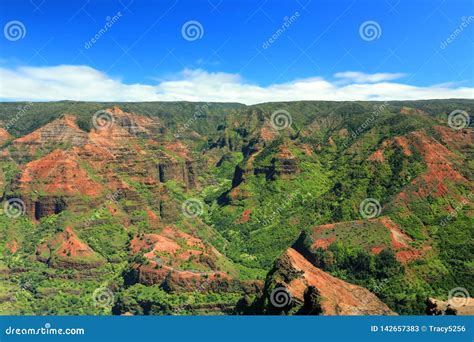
<point x="69" y="82"/>
<point x="360" y="77"/>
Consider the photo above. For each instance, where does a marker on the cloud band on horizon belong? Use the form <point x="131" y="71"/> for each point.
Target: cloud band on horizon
<point x="83" y="83"/>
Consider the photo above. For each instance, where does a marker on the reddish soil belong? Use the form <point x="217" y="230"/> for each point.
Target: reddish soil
<point x="245" y="216"/>
<point x="337" y="296"/>
<point x="173" y="245"/>
<point x="152" y="216"/>
<point x="12" y="246"/>
<point x="4" y="136"/>
<point x="141" y="122"/>
<point x="67" y="244"/>
<point x="377" y="156"/>
<point x="307" y="149"/>
<point x="267" y="134"/>
<point x="407" y="255"/>
<point x="411" y="111"/>
<point x="462" y="139"/>
<point x="110" y="136"/>
<point x="404" y="144"/>
<point x="285" y="153"/>
<point x="400" y="242"/>
<point x="59" y="172"/>
<point x="440" y="169"/>
<point x="377" y="249"/>
<point x="72" y="246"/>
<point x="399" y="239"/>
<point x="323" y="243"/>
<point x="178" y="148"/>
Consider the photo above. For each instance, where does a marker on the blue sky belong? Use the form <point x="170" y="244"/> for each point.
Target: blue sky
<point x="322" y="52"/>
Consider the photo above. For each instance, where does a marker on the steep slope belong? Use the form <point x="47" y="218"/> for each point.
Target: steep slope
<point x="188" y="205"/>
<point x="309" y="290"/>
<point x="66" y="250"/>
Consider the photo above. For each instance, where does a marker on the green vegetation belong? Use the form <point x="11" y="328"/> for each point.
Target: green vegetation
<point x="259" y="189"/>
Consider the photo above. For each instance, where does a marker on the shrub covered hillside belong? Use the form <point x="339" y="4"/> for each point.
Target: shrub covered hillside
<point x="349" y="208"/>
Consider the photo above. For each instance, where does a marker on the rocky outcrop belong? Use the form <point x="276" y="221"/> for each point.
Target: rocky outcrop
<point x="296" y="286"/>
<point x="46" y="184"/>
<point x="461" y="306"/>
<point x="66" y="250"/>
<point x="181" y="172"/>
<point x="168" y="256"/>
<point x="62" y="131"/>
<point x="135" y="124"/>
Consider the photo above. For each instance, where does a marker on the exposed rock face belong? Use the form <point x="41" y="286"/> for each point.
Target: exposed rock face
<point x="64" y="129"/>
<point x="138" y="125"/>
<point x="177" y="164"/>
<point x="312" y="290"/>
<point x="59" y="172"/>
<point x="282" y="164"/>
<point x="181" y="172"/>
<point x="4" y="136"/>
<point x="46" y="184"/>
<point x="460" y="306"/>
<point x="67" y="250"/>
<point x="169" y="251"/>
